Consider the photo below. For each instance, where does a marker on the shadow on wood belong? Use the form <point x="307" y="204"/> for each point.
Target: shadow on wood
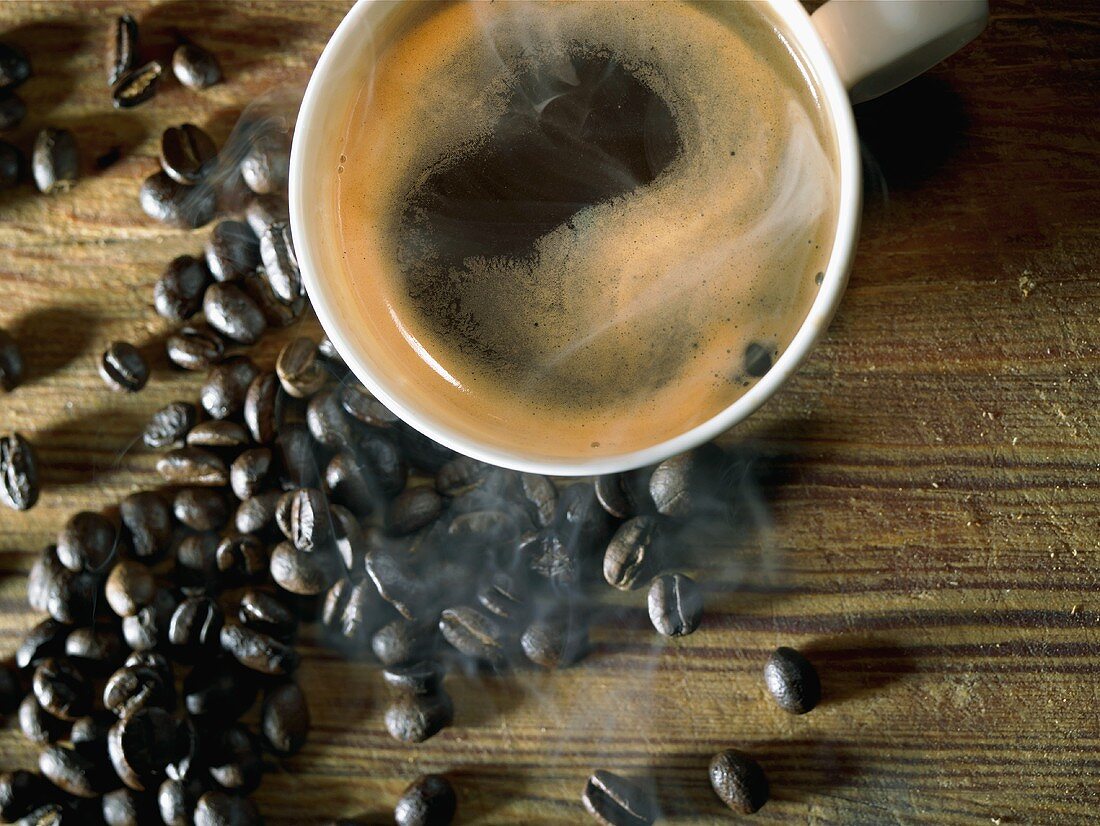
<point x="51" y="337"/>
<point x="853" y="666"/>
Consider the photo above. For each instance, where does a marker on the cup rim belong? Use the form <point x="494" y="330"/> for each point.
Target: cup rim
<point x="797" y="22"/>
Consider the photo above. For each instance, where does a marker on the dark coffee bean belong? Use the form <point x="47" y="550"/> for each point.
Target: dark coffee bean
<point x="304" y="519"/>
<point x="154" y="660"/>
<point x="201" y="509"/>
<point x="123" y="367"/>
<point x="542" y="496"/>
<point x="473" y="633"/>
<point x="257" y="514"/>
<point x="37" y="724"/>
<point x="71" y="771"/>
<point x="484" y="528"/>
<point x="176" y="801"/>
<point x="401" y="641"/>
<point x="613" y="496"/>
<point x="280" y="262"/>
<point x="428" y="801"/>
<point x="266" y="164"/>
<point x="178" y="293"/>
<point x="148" y="627"/>
<point x="758" y="360"/>
<point x="295" y="449"/>
<point x="21" y="792"/>
<point x="413" y="509"/>
<point x="233" y="251"/>
<point x="277" y="313"/>
<point x="147" y="520"/>
<point x="398" y="586"/>
<point x="265" y="612"/>
<point x="54" y="162"/>
<point x="348" y="482"/>
<point x="421" y="677"/>
<point x="195" y="348"/>
<point x="89" y="735"/>
<point x="358" y="402"/>
<point x="12" y="110"/>
<point x="675" y="605"/>
<point x="18" y="472"/>
<point x="385" y="463"/>
<point x="141" y="745"/>
<point x="11" y="163"/>
<point x="423" y="451"/>
<point x="556" y="640"/>
<point x="195" y="67"/>
<point x="234" y="760"/>
<point x="41" y="576"/>
<point x="197" y="559"/>
<point x="615" y="801"/>
<point x="87" y="542"/>
<point x="134" y="687"/>
<point x="302" y="572"/>
<point x="580" y="520"/>
<point x="298" y="368"/>
<point x="125" y="807"/>
<point x="242" y="556"/>
<point x="175" y="204"/>
<point x="460" y="474"/>
<point x="260" y="407"/>
<point x="550" y="557"/>
<point x="14" y="66"/>
<point x="137" y="85"/>
<point x="265" y="210"/>
<point x="738" y="781"/>
<point x="231" y="312"/>
<point x="333" y="606"/>
<point x="11" y="362"/>
<point x="218" y="433"/>
<point x="792" y="681"/>
<point x="74" y="597"/>
<point x="46" y="639"/>
<point x="504" y="595"/>
<point x="326" y="420"/>
<point x="170" y="425"/>
<point x="218" y="690"/>
<point x="192" y="466"/>
<point x="221" y="809"/>
<point x="122" y="48"/>
<point x="284" y="720"/>
<point x="187" y="153"/>
<point x="679" y="485"/>
<point x="360" y="615"/>
<point x="413" y="718"/>
<point x="61" y="689"/>
<point x="95" y="649"/>
<point x="226" y="387"/>
<point x="258" y="651"/>
<point x="633" y="554"/>
<point x="196" y="624"/>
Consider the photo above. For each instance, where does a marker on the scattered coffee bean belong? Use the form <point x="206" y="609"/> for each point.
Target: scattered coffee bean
<point x="11" y="167"/>
<point x="221" y="809"/>
<point x="195" y="625"/>
<point x="280" y="262"/>
<point x="225" y="390"/>
<point x="14" y="66"/>
<point x="266" y="164"/>
<point x="200" y="509"/>
<point x="277" y="313"/>
<point x="265" y="210"/>
<point x="178" y="293"/>
<point x="633" y="553"/>
<point x="401" y="641"/>
<point x="301" y="572"/>
<point x="170" y="425"/>
<point x="615" y="801"/>
<point x="87" y="542"/>
<point x="18" y="472"/>
<point x="241" y="557"/>
<point x="397" y="585"/>
<point x="504" y="595"/>
<point x="738" y="781"/>
<point x="677" y="484"/>
<point x="137" y="85"/>
<point x="348" y="481"/>
<point x="284" y="720"/>
<point x="358" y="402"/>
<point x="187" y="154"/>
<point x="61" y="689"/>
<point x="122" y="47"/>
<point x="326" y="420"/>
<point x="428" y="801"/>
<point x="580" y="520"/>
<point x="218" y="690"/>
<point x="71" y="771"/>
<point x="460" y="475"/>
<point x="233" y="251"/>
<point x="74" y="597"/>
<point x="96" y="649"/>
<point x="148" y="523"/>
<point x="146" y="629"/>
<point x="21" y="792"/>
<point x="195" y="67"/>
<point x="792" y="681"/>
<point x="130" y="587"/>
<point x="250" y="472"/>
<point x="41" y="576"/>
<point x="257" y="514"/>
<point x="265" y="612"/>
<point x="758" y="360"/>
<point x="12" y="110"/>
<point x="195" y="348"/>
<point x="294" y="448"/>
<point x="260" y="406"/>
<point x="413" y="718"/>
<point x="412" y="509"/>
<point x="141" y="745"/>
<point x="231" y="312"/>
<point x="37" y="724"/>
<point x="11" y="362"/>
<point x="304" y="519"/>
<point x="675" y="605"/>
<point x="542" y="496"/>
<point x="54" y="162"/>
<point x="473" y="633"/>
<point x="613" y="496"/>
<point x="123" y="367"/>
<point x="258" y="651"/>
<point x="554" y="641"/>
<point x="218" y="433"/>
<point x="134" y="687"/>
<point x="192" y="466"/>
<point x="175" y="204"/>
<point x="44" y="640"/>
<point x="197" y="559"/>
<point x="298" y="368"/>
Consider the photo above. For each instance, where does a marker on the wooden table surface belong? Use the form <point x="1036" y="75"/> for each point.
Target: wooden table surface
<point x="925" y="518"/>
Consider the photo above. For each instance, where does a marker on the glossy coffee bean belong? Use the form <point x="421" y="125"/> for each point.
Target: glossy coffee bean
<point x="74" y="597"/>
<point x="265" y="210"/>
<point x="266" y="164"/>
<point x="187" y="153"/>
<point x="134" y="687"/>
<point x="19" y="482"/>
<point x="397" y="584"/>
<point x="201" y="509"/>
<point x="71" y="771"/>
<point x="258" y="651"/>
<point x="299" y="369"/>
<point x="413" y="718"/>
<point x="37" y="724"/>
<point x="739" y="781"/>
<point x="55" y="163"/>
<point x="303" y="517"/>
<point x="176" y="800"/>
<point x="478" y="635"/>
<point x="615" y="801"/>
<point x="277" y="312"/>
<point x="542" y="497"/>
<point x="327" y="421"/>
<point x="284" y="720"/>
<point x="429" y="800"/>
<point x="147" y="520"/>
<point x="265" y="612"/>
<point x="218" y="433"/>
<point x="175" y="204"/>
<point x="147" y="629"/>
<point x="257" y="515"/>
<point x="195" y="348"/>
<point x="412" y="509"/>
<point x="400" y="641"/>
<point x="232" y="251"/>
<point x="197" y="560"/>
<point x="40" y="579"/>
<point x="192" y="466"/>
<point x="233" y="313"/>
<point x="613" y="496"/>
<point x="44" y="640"/>
<point x="177" y="294"/>
<point x="169" y="426"/>
<point x="123" y="367"/>
<point x="241" y="557"/>
<point x="141" y="745"/>
<point x="221" y="809"/>
<point x="195" y="67"/>
<point x="95" y="649"/>
<point x="137" y="85"/>
<point x="420" y="677"/>
<point x="306" y="573"/>
<point x="297" y="454"/>
<point x="62" y="689"/>
<point x="87" y="542"/>
<point x="125" y="807"/>
<point x="633" y="555"/>
<point x="359" y="403"/>
<point x="792" y="681"/>
<point x="260" y="406"/>
<point x="122" y="47"/>
<point x="224" y="392"/>
<point x="218" y="691"/>
<point x="675" y="605"/>
<point x="555" y="640"/>
<point x="195" y="626"/>
<point x="384" y="463"/>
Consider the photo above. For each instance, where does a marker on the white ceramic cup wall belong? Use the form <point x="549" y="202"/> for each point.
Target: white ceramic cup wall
<point x="857" y="49"/>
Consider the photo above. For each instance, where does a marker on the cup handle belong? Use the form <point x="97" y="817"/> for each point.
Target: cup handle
<point x="877" y="45"/>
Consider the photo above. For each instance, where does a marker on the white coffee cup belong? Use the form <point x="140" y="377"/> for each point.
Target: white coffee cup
<point x="857" y="49"/>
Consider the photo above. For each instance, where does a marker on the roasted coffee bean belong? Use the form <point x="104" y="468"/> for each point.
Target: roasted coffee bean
<point x="633" y="554"/>
<point x="413" y="718"/>
<point x="11" y="164"/>
<point x="580" y="521"/>
<point x="613" y="496"/>
<point x="44" y="640"/>
<point x="218" y="433"/>
<point x="125" y="807"/>
<point x="385" y="463"/>
<point x="54" y="162"/>
<point x="62" y="689"/>
<point x="234" y="760"/>
<point x="556" y="640"/>
<point x="401" y="641"/>
<point x="123" y="367"/>
<point x="398" y="586"/>
<point x="40" y="578"/>
<point x="14" y="66"/>
<point x="461" y="474"/>
<point x="615" y="801"/>
<point x="260" y="407"/>
<point x="412" y="509"/>
<point x="37" y="724"/>
<point x="280" y="262"/>
<point x="550" y="557"/>
<point x="11" y="362"/>
<point x="738" y="781"/>
<point x="304" y="519"/>
<point x="178" y="293"/>
<point x="358" y="402"/>
<point x="87" y="542"/>
<point x="257" y="514"/>
<point x="71" y="771"/>
<point x="149" y="626"/>
<point x="170" y="425"/>
<point x="258" y="651"/>
<point x="360" y="614"/>
<point x="134" y="687"/>
<point x="141" y="745"/>
<point x="195" y="67"/>
<point x="242" y="556"/>
<point x="301" y="572"/>
<point x="284" y="720"/>
<point x="176" y="204"/>
<point x="298" y="368"/>
<point x="326" y="420"/>
<point x="334" y="604"/>
<point x="196" y="624"/>
<point x="195" y="348"/>
<point x="201" y="509"/>
<point x="21" y="792"/>
<point x="137" y="85"/>
<point x="221" y="809"/>
<point x="187" y="153"/>
<point x="233" y="251"/>
<point x="231" y="312"/>
<point x="542" y="496"/>
<point x="505" y="595"/>
<point x="277" y="313"/>
<point x="176" y="801"/>
<point x="265" y="210"/>
<point x="679" y="484"/>
<point x="428" y="801"/>
<point x="296" y="451"/>
<point x="148" y="523"/>
<point x="96" y="649"/>
<point x="192" y="466"/>
<point x="74" y="597"/>
<point x="473" y="633"/>
<point x="12" y="110"/>
<point x="347" y="481"/>
<point x="89" y="734"/>
<point x="18" y="472"/>
<point x="122" y="47"/>
<point x="792" y="681"/>
<point x="218" y="690"/>
<point x="421" y="677"/>
<point x="197" y="559"/>
<point x="266" y="164"/>
<point x="675" y="605"/>
<point x="423" y="451"/>
<point x="265" y="612"/>
<point x="226" y="386"/>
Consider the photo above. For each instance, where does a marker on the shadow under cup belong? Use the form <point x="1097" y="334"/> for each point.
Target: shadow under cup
<point x="410" y="386"/>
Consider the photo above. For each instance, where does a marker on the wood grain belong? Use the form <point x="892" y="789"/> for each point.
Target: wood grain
<point x="923" y="521"/>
